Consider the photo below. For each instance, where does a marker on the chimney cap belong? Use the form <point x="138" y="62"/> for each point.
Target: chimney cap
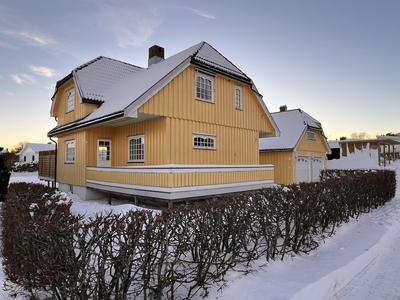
<point x="283" y="108"/>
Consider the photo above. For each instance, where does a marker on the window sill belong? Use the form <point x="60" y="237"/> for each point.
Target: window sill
<point x="203" y="100"/>
<point x="204" y="148"/>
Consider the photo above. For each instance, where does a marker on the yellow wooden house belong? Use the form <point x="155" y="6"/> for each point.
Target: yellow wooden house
<point x="185" y="127"/>
<point x="299" y="153"/>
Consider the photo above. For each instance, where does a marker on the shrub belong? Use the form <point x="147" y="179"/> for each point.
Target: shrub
<point x="25" y="167"/>
<point x="173" y="254"/>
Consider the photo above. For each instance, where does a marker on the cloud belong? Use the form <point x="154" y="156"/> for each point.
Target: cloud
<point x="10" y="94"/>
<point x="201" y="13"/>
<point x="30" y="38"/>
<point x="43" y="71"/>
<point x="24" y="79"/>
<point x="51" y="87"/>
<point x="129" y="26"/>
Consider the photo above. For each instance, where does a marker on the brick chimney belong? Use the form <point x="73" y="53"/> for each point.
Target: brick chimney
<point x="156" y="54"/>
<point x="283" y="108"/>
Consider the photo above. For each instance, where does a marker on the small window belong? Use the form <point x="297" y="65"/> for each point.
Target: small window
<point x="310" y="135"/>
<point x="238" y="97"/>
<point x="70" y="151"/>
<point x="33" y="157"/>
<point x="204" y="87"/>
<point x="24" y="158"/>
<point x="203" y="141"/>
<point x="136" y="148"/>
<point x="70" y="99"/>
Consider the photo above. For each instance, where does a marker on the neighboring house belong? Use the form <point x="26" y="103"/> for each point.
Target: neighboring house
<point x="335" y="150"/>
<point x="187" y="126"/>
<point x="381" y="150"/>
<point x="30" y="152"/>
<point x="299" y="154"/>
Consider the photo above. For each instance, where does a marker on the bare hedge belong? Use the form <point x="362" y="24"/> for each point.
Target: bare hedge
<point x="173" y="254"/>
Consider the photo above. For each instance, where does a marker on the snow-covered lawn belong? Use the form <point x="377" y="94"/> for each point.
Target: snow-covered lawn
<point x="360" y="262"/>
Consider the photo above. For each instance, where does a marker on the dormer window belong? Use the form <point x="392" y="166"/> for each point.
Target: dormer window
<point x="70" y="99"/>
<point x="204" y="87"/>
<point x="311" y="135"/>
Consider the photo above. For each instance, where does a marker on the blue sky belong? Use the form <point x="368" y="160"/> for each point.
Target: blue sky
<point x="337" y="60"/>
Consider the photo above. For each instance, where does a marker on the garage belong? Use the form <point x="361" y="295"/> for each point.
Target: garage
<point x="317" y="166"/>
<point x="303" y="169"/>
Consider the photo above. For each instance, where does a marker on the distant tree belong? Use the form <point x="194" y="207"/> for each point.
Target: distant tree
<point x="360" y="135"/>
<point x="391" y="134"/>
<point x="19" y="147"/>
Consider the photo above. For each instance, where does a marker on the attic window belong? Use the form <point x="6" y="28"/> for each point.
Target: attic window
<point x="70" y="99"/>
<point x="311" y="135"/>
<point x="204" y="87"/>
<point x="238" y="97"/>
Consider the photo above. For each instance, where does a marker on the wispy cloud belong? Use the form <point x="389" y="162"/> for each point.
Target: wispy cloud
<point x="10" y="94"/>
<point x="29" y="37"/>
<point x="23" y="79"/>
<point x="43" y="71"/>
<point x="129" y="26"/>
<point x="201" y="13"/>
<point x="51" y="87"/>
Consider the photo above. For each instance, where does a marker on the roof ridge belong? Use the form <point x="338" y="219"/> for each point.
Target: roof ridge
<point x="105" y="57"/>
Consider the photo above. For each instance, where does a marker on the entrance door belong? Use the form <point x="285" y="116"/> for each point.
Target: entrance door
<point x="104" y="153"/>
<point x="317" y="166"/>
<point x="303" y="169"/>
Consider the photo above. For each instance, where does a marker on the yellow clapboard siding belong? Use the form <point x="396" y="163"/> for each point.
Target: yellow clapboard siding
<point x="180" y="179"/>
<point x="74" y="173"/>
<point x="177" y="100"/>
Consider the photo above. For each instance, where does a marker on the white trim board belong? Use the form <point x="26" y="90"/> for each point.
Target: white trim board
<point x="177" y="169"/>
<point x="179" y="193"/>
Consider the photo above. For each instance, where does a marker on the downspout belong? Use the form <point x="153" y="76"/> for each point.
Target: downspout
<point x="55" y="164"/>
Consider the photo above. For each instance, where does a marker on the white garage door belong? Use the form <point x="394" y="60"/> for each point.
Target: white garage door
<point x="303" y="169"/>
<point x="317" y="166"/>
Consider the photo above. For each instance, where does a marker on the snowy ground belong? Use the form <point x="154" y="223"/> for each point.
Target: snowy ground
<point x="361" y="262"/>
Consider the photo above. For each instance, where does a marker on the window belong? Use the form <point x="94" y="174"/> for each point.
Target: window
<point x="204" y="87"/>
<point x="24" y="158"/>
<point x="238" y="97"/>
<point x="70" y="99"/>
<point x="203" y="141"/>
<point x="310" y="135"/>
<point x="70" y="151"/>
<point x="33" y="157"/>
<point x="136" y="148"/>
<point x="104" y="150"/>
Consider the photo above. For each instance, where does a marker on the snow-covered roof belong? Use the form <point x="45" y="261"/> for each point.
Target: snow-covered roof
<point x="38" y="147"/>
<point x="292" y="124"/>
<point x="123" y="88"/>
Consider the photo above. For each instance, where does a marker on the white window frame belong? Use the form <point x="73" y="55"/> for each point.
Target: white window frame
<point x="311" y="135"/>
<point x="199" y="95"/>
<point x="136" y="157"/>
<point x="70" y="152"/>
<point x="70" y="100"/>
<point x="238" y="100"/>
<point x="206" y="137"/>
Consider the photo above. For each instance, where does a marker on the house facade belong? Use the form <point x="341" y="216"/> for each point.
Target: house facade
<point x="300" y="152"/>
<point x="187" y="126"/>
<point x="30" y="152"/>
